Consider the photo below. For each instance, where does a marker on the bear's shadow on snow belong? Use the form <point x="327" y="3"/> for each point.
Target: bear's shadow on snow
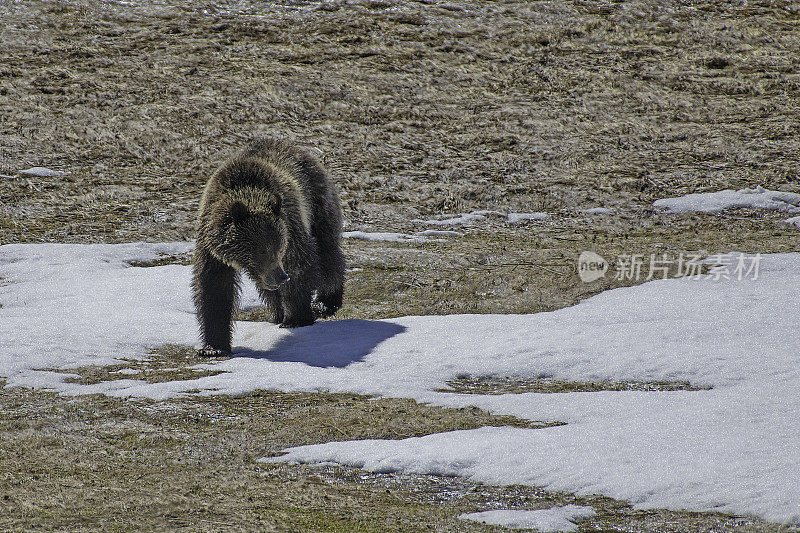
<point x="327" y="344"/>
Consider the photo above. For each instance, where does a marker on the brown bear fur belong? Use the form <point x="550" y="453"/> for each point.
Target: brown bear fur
<point x="270" y="211"/>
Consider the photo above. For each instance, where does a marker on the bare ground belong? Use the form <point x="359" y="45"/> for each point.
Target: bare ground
<point x="418" y="109"/>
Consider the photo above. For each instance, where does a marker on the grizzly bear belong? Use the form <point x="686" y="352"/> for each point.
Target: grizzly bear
<point x="272" y="212"/>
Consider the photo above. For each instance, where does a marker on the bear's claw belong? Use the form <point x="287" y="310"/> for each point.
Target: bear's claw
<point x="212" y="352"/>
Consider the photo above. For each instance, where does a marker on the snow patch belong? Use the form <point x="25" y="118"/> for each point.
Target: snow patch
<point x="418" y="237"/>
<point x="710" y="202"/>
<point x="454" y="220"/>
<point x="384" y="236"/>
<point x="66" y="306"/>
<point x="516" y="218"/>
<point x="41" y="172"/>
<point x="488" y="212"/>
<point x="554" y="520"/>
<point x="440" y="233"/>
<point x="794" y="221"/>
<point x="464" y="218"/>
<point x="598" y="211"/>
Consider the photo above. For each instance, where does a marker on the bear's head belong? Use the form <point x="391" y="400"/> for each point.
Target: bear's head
<point x="251" y="237"/>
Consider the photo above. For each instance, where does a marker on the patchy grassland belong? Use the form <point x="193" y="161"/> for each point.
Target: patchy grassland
<point x="95" y="463"/>
<point x="418" y="108"/>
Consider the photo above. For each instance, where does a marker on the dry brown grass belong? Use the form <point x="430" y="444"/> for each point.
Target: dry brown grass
<point x="418" y="108"/>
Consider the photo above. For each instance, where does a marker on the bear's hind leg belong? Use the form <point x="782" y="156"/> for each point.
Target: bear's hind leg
<point x="332" y="266"/>
<point x="331" y="300"/>
<point x="215" y="288"/>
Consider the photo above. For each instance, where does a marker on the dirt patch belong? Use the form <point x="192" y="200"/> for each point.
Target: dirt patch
<point x="183" y="259"/>
<point x="497" y="385"/>
<point x="167" y="363"/>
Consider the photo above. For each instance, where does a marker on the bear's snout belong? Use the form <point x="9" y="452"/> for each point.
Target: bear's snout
<point x="275" y="279"/>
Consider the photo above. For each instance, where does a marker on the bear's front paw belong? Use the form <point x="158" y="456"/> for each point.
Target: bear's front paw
<point x="212" y="352"/>
<point x="327" y="312"/>
<point x="296" y="323"/>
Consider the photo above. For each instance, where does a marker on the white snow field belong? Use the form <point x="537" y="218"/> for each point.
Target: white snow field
<point x="709" y="202"/>
<point x="545" y="520"/>
<point x="733" y="448"/>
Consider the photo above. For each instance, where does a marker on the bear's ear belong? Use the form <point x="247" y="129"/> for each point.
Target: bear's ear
<point x="239" y="212"/>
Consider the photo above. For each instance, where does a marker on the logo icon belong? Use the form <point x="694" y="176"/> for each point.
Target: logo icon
<point x="591" y="266"/>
